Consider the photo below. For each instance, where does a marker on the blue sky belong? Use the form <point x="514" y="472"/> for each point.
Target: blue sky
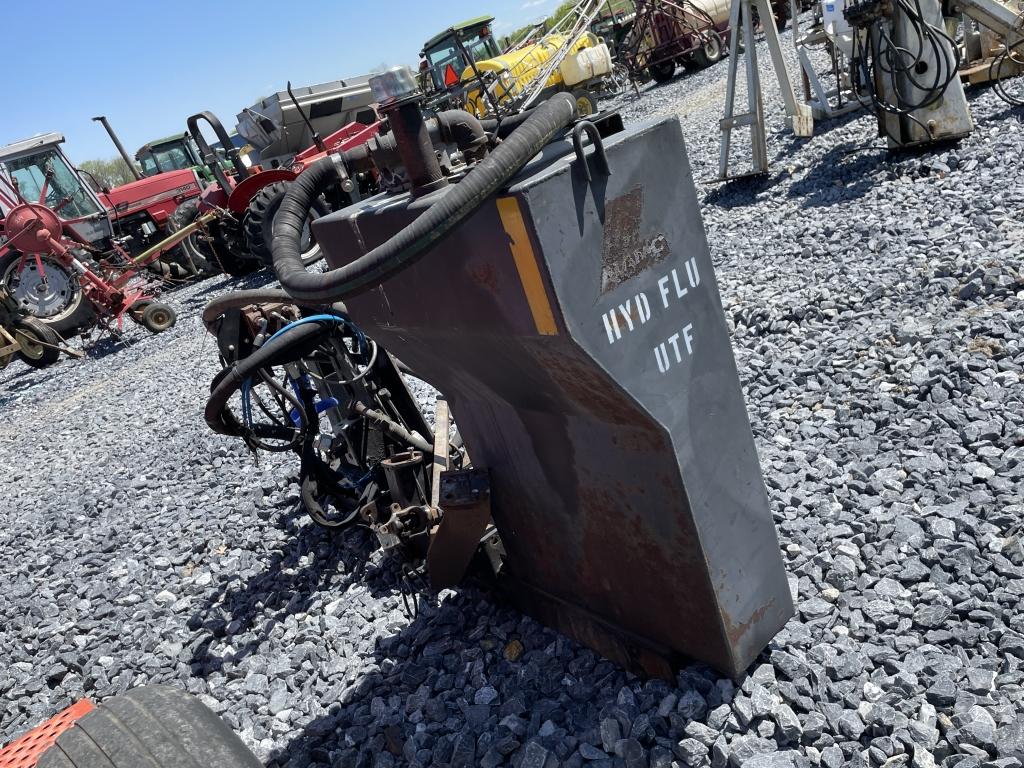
<point x="149" y="64"/>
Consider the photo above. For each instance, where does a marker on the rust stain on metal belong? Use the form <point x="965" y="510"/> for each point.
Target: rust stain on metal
<point x="735" y="632"/>
<point x="485" y="275"/>
<point x="624" y="543"/>
<point x="466" y="498"/>
<point x="625" y="253"/>
<point x="588" y="388"/>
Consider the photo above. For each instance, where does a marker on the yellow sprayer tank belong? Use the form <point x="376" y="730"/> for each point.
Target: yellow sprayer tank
<point x="519" y="69"/>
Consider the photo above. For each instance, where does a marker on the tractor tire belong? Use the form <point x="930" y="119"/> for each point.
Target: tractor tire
<point x="711" y="52"/>
<point x="258" y="225"/>
<point x="150" y="727"/>
<point x="29" y="332"/>
<point x="63" y="308"/>
<point x="230" y="252"/>
<point x="157" y="317"/>
<point x="193" y="250"/>
<point x="663" y="72"/>
<point x="586" y="104"/>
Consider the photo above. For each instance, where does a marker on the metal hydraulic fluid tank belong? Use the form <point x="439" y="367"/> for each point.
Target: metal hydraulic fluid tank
<point x="576" y="328"/>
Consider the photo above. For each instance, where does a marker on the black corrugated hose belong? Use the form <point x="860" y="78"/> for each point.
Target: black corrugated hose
<point x="410" y="243"/>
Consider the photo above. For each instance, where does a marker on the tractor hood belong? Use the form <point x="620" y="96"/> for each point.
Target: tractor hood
<point x="159" y="194"/>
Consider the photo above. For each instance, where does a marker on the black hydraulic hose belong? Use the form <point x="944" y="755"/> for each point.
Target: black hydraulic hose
<point x="295" y="343"/>
<point x="506" y="125"/>
<point x="410" y="243"/>
<point x="462" y="129"/>
<point x="415" y="148"/>
<point x="238" y="299"/>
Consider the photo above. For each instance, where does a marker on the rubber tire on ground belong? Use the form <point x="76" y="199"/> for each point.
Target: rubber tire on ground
<point x="586" y="104"/>
<point x="154" y="726"/>
<point x="663" y="72"/>
<point x="189" y="249"/>
<point x="166" y="267"/>
<point x="77" y="317"/>
<point x="29" y="330"/>
<point x="157" y="317"/>
<point x="230" y="251"/>
<point x="258" y="223"/>
<point x="711" y="52"/>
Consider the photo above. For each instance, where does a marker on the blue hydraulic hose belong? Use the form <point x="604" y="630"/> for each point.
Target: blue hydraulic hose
<point x="247" y="384"/>
<point x="323" y="319"/>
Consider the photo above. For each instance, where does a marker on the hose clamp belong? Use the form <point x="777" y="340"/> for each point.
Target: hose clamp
<point x="346" y="181"/>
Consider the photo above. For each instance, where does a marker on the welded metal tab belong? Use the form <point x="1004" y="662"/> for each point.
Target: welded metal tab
<point x="465" y="498"/>
<point x="576" y="329"/>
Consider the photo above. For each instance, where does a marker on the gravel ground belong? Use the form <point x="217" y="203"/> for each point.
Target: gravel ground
<point x="876" y="306"/>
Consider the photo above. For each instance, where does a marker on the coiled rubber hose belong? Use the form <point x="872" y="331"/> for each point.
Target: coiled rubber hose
<point x="410" y="243"/>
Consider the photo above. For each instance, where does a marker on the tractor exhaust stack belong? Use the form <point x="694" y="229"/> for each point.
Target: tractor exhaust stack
<point x="120" y="147"/>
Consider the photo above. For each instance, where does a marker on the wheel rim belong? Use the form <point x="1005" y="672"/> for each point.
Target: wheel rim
<point x="584" y="106"/>
<point x="29" y="343"/>
<point x="159" y="317"/>
<point x="713" y="48"/>
<point x="308" y="246"/>
<point x="51" y="299"/>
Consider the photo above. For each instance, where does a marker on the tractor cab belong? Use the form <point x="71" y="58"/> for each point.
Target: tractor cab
<point x="174" y="153"/>
<point x="44" y="175"/>
<point x="613" y="26"/>
<point x="446" y="55"/>
<point x="177" y="153"/>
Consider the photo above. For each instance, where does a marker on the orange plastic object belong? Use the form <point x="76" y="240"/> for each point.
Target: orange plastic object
<point x="26" y="751"/>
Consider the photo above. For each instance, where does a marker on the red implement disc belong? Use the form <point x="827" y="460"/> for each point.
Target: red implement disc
<point x="246" y="189"/>
<point x="26" y="224"/>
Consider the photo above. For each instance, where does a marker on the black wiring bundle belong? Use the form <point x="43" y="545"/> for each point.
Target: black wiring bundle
<point x="1007" y="64"/>
<point x="927" y="62"/>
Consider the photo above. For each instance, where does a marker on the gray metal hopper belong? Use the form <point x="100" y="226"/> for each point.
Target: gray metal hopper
<point x="276" y="129"/>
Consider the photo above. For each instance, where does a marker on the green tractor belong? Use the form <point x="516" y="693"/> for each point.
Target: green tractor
<point x="175" y="153"/>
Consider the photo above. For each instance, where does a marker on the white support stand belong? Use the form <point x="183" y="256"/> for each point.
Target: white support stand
<point x="741" y="24"/>
<point x="820" y="98"/>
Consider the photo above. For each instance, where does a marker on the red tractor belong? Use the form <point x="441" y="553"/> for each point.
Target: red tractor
<point x="107" y="230"/>
<point x="140" y="211"/>
<point x="246" y="199"/>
